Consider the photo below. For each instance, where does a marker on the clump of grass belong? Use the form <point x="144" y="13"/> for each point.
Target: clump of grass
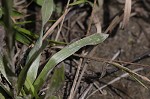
<point x="27" y="83"/>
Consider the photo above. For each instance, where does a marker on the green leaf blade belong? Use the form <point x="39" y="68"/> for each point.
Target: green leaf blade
<point x="39" y="2"/>
<point x="47" y="9"/>
<point x="4" y="93"/>
<point x="78" y="2"/>
<point x="65" y="53"/>
<point x="24" y="72"/>
<point x="23" y="39"/>
<point x="2" y="68"/>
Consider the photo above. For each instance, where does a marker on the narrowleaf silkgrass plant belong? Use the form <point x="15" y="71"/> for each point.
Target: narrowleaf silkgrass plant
<point x="27" y="83"/>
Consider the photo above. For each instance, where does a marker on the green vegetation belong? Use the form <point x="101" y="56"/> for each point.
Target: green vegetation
<point x="29" y="81"/>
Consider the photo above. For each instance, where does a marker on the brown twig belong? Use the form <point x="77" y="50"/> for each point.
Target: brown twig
<point x="114" y="80"/>
<point x="50" y="30"/>
<point x="108" y="60"/>
<point x="72" y="92"/>
<point x="58" y="33"/>
<point x="91" y="18"/>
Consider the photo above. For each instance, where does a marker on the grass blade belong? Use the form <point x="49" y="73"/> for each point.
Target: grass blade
<point x="4" y="93"/>
<point x="47" y="9"/>
<point x="2" y="68"/>
<point x="24" y="31"/>
<point x="23" y="39"/>
<point x="133" y="74"/>
<point x="28" y="35"/>
<point x="65" y="53"/>
<point x="39" y="2"/>
<point x="23" y="73"/>
<point x="78" y="2"/>
<point x="10" y="42"/>
<point x="31" y="88"/>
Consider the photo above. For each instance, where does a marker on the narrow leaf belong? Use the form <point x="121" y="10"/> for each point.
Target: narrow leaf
<point x="25" y="32"/>
<point x="133" y="74"/>
<point x="23" y="73"/>
<point x="23" y="39"/>
<point x="47" y="9"/>
<point x="140" y="82"/>
<point x="2" y="68"/>
<point x="65" y="53"/>
<point x="78" y="2"/>
<point x="10" y="41"/>
<point x="39" y="2"/>
<point x="31" y="88"/>
<point x="4" y="92"/>
<point x="32" y="72"/>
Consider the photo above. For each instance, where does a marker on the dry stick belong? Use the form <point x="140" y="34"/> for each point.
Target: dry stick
<point x="75" y="79"/>
<point x="58" y="33"/>
<point x="104" y="71"/>
<point x="114" y="23"/>
<point x="108" y="60"/>
<point x="86" y="91"/>
<point x="50" y="30"/>
<point x="80" y="25"/>
<point x="129" y="71"/>
<point x="98" y="87"/>
<point x="91" y="18"/>
<point x="127" y="12"/>
<point x="97" y="24"/>
<point x="114" y="80"/>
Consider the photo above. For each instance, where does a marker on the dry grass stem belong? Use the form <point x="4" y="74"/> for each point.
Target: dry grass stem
<point x="113" y="81"/>
<point x="114" y="23"/>
<point x="130" y="71"/>
<point x="97" y="24"/>
<point x="127" y="12"/>
<point x="91" y="18"/>
<point x="58" y="33"/>
<point x="51" y="29"/>
<point x="108" y="60"/>
<point x="75" y="80"/>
